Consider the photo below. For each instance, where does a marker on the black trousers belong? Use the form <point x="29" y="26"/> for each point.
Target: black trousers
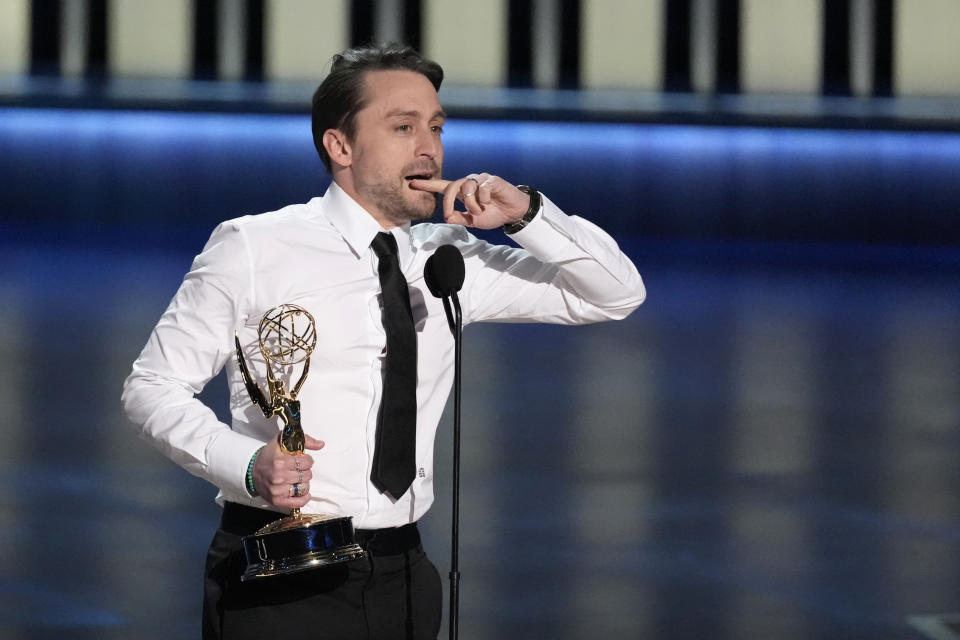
<point x="390" y="595"/>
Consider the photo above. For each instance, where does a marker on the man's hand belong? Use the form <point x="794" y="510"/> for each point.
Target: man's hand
<point x="275" y="473"/>
<point x="490" y="201"/>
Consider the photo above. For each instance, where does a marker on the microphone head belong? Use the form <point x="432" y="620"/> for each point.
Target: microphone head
<point x="444" y="271"/>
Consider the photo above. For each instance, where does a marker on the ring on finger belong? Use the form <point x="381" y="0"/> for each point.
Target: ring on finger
<point x="299" y="477"/>
<point x="296" y="489"/>
<point x="296" y="463"/>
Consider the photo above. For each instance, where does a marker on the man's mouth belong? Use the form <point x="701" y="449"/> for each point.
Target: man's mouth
<point x="416" y="176"/>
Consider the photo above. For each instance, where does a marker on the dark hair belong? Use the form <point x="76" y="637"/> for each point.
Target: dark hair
<point x="340" y="96"/>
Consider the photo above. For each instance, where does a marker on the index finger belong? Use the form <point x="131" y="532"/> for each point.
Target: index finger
<point x="435" y="186"/>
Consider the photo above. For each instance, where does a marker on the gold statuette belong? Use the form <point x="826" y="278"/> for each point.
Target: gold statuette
<point x="287" y="337"/>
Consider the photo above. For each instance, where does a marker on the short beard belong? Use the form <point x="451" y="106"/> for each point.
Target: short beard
<point x="391" y="201"/>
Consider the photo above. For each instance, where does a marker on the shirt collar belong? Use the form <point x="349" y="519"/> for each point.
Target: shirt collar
<point x="358" y="227"/>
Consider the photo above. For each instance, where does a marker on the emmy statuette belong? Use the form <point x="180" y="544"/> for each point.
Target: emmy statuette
<point x="298" y="542"/>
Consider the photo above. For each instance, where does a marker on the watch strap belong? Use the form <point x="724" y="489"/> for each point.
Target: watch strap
<point x="536" y="202"/>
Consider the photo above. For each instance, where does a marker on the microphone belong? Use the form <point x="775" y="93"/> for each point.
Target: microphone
<point x="444" y="273"/>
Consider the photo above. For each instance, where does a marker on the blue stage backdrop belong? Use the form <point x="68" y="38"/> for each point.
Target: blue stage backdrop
<point x="173" y="170"/>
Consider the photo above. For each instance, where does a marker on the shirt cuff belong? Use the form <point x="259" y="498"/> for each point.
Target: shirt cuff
<point x="228" y="460"/>
<point x="544" y="237"/>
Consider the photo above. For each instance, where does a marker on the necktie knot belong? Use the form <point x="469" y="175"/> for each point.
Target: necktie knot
<point x="384" y="244"/>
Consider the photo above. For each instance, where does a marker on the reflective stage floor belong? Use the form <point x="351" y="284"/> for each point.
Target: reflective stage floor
<point x="768" y="448"/>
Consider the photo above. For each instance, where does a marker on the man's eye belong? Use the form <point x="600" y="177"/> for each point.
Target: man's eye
<point x="437" y="129"/>
<point x="403" y="128"/>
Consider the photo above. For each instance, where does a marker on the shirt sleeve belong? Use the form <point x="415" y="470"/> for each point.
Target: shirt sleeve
<point x="190" y="345"/>
<point x="567" y="271"/>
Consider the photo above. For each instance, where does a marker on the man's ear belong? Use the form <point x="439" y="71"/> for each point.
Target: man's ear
<point x="338" y="147"/>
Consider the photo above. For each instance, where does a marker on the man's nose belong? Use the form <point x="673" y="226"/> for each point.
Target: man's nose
<point x="429" y="144"/>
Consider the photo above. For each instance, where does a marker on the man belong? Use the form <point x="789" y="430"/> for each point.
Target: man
<point x="377" y="124"/>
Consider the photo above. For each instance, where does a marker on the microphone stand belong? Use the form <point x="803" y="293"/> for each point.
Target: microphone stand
<point x="444" y="274"/>
<point x="456" y="326"/>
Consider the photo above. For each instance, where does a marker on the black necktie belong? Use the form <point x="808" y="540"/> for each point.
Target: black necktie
<point x="394" y="457"/>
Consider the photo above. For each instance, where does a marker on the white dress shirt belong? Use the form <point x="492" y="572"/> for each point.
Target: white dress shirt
<point x="317" y="255"/>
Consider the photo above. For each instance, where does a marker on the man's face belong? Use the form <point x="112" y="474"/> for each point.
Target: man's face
<point x="397" y="138"/>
